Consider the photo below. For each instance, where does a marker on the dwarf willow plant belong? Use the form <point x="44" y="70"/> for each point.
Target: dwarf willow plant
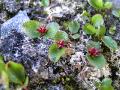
<point x="97" y="29"/>
<point x="94" y="54"/>
<point x="35" y="29"/>
<point x="12" y="72"/>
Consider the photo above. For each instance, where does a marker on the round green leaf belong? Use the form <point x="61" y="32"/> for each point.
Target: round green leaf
<point x="55" y="53"/>
<point x="45" y="3"/>
<point x="107" y="81"/>
<point x="98" y="61"/>
<point x="16" y="72"/>
<point x="61" y="35"/>
<point x="75" y="36"/>
<point x="89" y="29"/>
<point x="106" y="84"/>
<point x="30" y="28"/>
<point x="52" y="28"/>
<point x="108" y="5"/>
<point x="74" y="26"/>
<point x="106" y="88"/>
<point x="97" y="20"/>
<point x="98" y="4"/>
<point x="110" y="43"/>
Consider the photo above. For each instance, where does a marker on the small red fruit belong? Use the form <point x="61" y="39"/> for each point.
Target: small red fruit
<point x="94" y="52"/>
<point x="42" y="30"/>
<point x="60" y="43"/>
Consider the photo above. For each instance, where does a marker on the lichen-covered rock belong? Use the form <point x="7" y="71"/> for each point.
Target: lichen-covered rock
<point x="19" y="48"/>
<point x="3" y="17"/>
<point x="11" y="5"/>
<point x="117" y="34"/>
<point x="14" y="23"/>
<point x="115" y="68"/>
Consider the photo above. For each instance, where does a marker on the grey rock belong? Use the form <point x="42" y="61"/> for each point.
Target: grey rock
<point x="14" y="23"/>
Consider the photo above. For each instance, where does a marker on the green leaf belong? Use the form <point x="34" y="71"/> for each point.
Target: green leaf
<point x="108" y="5"/>
<point x="98" y="61"/>
<point x="110" y="43"/>
<point x="1" y="58"/>
<point x="74" y="26"/>
<point x="91" y="44"/>
<point x="106" y="88"/>
<point x="98" y="4"/>
<point x="107" y="81"/>
<point x="75" y="36"/>
<point x="97" y="20"/>
<point x="45" y="3"/>
<point x="55" y="53"/>
<point x="89" y="29"/>
<point x="30" y="28"/>
<point x="52" y="28"/>
<point x="101" y="31"/>
<point x="16" y="72"/>
<point x="61" y="35"/>
<point x="106" y="84"/>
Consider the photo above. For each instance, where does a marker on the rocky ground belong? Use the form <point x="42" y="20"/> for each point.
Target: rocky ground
<point x="70" y="73"/>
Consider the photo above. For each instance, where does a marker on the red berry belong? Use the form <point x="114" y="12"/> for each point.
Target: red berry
<point x="42" y="30"/>
<point x="93" y="51"/>
<point x="60" y="44"/>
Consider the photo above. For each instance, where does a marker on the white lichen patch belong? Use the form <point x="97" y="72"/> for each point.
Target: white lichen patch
<point x="115" y="59"/>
